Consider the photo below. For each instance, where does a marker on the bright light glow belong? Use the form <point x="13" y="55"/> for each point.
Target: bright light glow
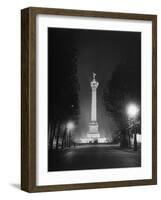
<point x="70" y="125"/>
<point x="132" y="110"/>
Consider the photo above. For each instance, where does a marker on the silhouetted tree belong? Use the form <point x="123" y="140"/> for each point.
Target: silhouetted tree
<point x="123" y="88"/>
<point x="63" y="84"/>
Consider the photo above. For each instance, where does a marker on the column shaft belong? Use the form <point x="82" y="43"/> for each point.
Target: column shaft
<point x="94" y="105"/>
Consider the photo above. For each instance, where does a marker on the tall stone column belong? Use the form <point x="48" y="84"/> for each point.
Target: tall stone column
<point x="94" y="85"/>
<point x="93" y="125"/>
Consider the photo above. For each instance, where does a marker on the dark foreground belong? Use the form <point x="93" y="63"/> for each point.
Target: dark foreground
<point x="93" y="157"/>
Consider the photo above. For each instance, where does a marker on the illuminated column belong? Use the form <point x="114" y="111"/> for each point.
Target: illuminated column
<point x="93" y="133"/>
<point x="94" y="85"/>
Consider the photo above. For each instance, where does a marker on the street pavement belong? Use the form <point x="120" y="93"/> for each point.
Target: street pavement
<point x="93" y="157"/>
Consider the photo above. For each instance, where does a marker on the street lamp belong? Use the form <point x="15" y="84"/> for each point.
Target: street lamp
<point x="132" y="111"/>
<point x="70" y="127"/>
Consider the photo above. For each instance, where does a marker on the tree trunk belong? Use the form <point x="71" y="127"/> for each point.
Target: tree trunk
<point x="123" y="139"/>
<point x="70" y="139"/>
<point x="67" y="139"/>
<point x="52" y="134"/>
<point x="63" y="139"/>
<point x="49" y="135"/>
<point x="58" y="135"/>
<point x="129" y="137"/>
<point x="135" y="142"/>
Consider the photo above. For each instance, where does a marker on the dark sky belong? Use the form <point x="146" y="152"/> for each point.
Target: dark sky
<point x="99" y="52"/>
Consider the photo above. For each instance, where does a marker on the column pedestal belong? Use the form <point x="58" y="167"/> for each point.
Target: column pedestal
<point x="93" y="131"/>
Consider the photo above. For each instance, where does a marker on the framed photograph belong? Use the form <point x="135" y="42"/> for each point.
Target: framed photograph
<point x="89" y="99"/>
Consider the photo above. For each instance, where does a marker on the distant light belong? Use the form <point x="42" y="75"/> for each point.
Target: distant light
<point x="132" y="110"/>
<point x="70" y="125"/>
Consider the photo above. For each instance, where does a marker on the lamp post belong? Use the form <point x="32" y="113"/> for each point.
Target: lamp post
<point x="132" y="112"/>
<point x="70" y="127"/>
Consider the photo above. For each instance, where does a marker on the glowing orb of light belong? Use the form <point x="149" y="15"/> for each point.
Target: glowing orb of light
<point x="132" y="110"/>
<point x="70" y="125"/>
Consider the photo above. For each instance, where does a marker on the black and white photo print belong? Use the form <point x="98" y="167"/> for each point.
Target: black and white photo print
<point x="94" y="99"/>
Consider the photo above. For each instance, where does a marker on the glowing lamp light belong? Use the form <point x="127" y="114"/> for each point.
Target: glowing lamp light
<point x="132" y="110"/>
<point x="70" y="125"/>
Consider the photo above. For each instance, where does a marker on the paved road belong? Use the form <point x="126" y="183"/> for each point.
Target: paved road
<point x="93" y="157"/>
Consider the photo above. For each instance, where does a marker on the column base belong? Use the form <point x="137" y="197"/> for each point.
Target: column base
<point x="93" y="130"/>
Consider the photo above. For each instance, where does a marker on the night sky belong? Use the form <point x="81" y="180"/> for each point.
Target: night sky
<point x="99" y="52"/>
